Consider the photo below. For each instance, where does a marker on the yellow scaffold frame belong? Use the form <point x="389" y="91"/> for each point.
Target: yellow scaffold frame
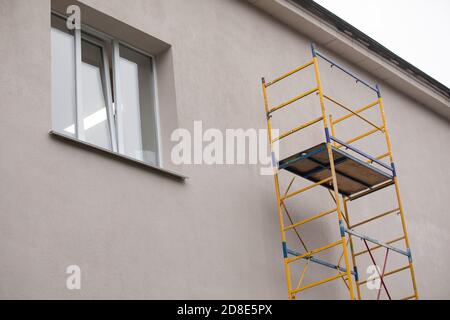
<point x="349" y="273"/>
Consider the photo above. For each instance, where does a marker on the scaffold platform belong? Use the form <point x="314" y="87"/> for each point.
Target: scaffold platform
<point x="353" y="175"/>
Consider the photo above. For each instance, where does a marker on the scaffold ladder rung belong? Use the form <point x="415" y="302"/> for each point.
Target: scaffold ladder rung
<point x="291" y="101"/>
<point x="315" y="284"/>
<point x="381" y="215"/>
<point x="372" y="190"/>
<point x="315" y="251"/>
<point x="409" y="297"/>
<point x="317" y="216"/>
<point x="379" y="246"/>
<point x="301" y="127"/>
<point x="290" y="195"/>
<point x="289" y="73"/>
<point x="386" y="274"/>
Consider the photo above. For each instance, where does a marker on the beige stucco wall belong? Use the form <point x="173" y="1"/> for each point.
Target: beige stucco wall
<point x="138" y="234"/>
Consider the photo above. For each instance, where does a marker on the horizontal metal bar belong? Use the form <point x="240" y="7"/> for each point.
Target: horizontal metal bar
<point x="289" y="73"/>
<point x="301" y="127"/>
<point x="317" y="216"/>
<point x="361" y="153"/>
<point x="386" y="274"/>
<point x="310" y="253"/>
<point x="358" y="111"/>
<point x="372" y="190"/>
<point x="380" y="157"/>
<point x="351" y="111"/>
<point x="366" y="134"/>
<point x="321" y="262"/>
<point x="284" y="104"/>
<point x="345" y="71"/>
<point x="302" y="157"/>
<point x="409" y="298"/>
<point x="314" y="284"/>
<point x="374" y="241"/>
<point x="397" y="270"/>
<point x="374" y="218"/>
<point x="290" y="195"/>
<point x="378" y="247"/>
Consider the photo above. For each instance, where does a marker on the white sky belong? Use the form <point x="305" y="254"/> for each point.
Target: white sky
<point x="416" y="30"/>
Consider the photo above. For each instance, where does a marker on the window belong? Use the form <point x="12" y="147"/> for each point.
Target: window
<point x="103" y="92"/>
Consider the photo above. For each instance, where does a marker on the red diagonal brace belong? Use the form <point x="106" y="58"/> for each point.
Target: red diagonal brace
<point x="373" y="260"/>
<point x="384" y="270"/>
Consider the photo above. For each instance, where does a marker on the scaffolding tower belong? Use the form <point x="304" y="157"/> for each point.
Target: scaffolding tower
<point x="347" y="178"/>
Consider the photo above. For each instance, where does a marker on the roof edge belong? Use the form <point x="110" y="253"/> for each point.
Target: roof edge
<point x="338" y="36"/>
<point x="373" y="45"/>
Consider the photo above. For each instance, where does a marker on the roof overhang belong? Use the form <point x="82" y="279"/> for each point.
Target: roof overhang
<point x="326" y="35"/>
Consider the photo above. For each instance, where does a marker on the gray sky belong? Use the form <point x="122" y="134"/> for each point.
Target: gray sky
<point x="416" y="30"/>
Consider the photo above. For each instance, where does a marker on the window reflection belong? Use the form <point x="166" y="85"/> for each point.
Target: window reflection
<point x="95" y="124"/>
<point x="138" y="137"/>
<point x="63" y="81"/>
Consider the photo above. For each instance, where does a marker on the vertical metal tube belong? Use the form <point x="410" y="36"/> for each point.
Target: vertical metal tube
<point x="79" y="125"/>
<point x="333" y="173"/>
<point x="397" y="190"/>
<point x="108" y="98"/>
<point x="352" y="248"/>
<point x="291" y="296"/>
<point x="118" y="98"/>
<point x="333" y="130"/>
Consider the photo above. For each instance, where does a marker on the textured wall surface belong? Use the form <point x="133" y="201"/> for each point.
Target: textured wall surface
<point x="138" y="234"/>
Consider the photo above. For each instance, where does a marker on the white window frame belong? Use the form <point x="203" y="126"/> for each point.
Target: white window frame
<point x="106" y="86"/>
<point x="115" y="125"/>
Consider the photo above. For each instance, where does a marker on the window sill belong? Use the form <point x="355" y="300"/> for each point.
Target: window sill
<point x="118" y="156"/>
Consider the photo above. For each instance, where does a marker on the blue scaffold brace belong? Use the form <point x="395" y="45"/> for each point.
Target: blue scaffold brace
<point x="327" y="135"/>
<point x="342" y="228"/>
<point x="362" y="153"/>
<point x="285" y="250"/>
<point x="274" y="161"/>
<point x="321" y="262"/>
<point x="377" y="86"/>
<point x="355" y="269"/>
<point x="408" y="250"/>
<point x="313" y="50"/>
<point x="394" y="171"/>
<point x="335" y="64"/>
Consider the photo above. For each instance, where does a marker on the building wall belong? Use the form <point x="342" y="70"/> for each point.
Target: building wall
<point x="138" y="234"/>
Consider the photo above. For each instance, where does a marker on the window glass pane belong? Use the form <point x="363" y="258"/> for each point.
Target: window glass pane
<point x="138" y="136"/>
<point x="63" y="81"/>
<point x="95" y="116"/>
<point x="134" y="128"/>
